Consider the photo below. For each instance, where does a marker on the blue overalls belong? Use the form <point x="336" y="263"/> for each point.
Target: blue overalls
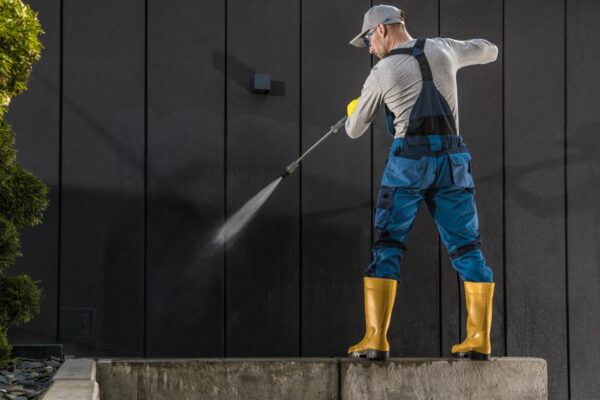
<point x="431" y="162"/>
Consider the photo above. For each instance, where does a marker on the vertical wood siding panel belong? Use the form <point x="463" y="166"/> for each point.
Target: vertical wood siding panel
<point x="583" y="196"/>
<point x="262" y="264"/>
<point x="336" y="181"/>
<point x="103" y="177"/>
<point x="186" y="77"/>
<point x="534" y="155"/>
<point x="480" y="125"/>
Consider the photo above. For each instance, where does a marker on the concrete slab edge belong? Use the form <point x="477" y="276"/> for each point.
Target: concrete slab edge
<point x="127" y="385"/>
<point x="77" y="369"/>
<point x="74" y="380"/>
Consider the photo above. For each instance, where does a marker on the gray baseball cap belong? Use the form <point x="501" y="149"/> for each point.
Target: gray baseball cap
<point x="376" y="15"/>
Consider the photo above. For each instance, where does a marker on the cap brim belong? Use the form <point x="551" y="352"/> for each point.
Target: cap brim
<point x="358" y="40"/>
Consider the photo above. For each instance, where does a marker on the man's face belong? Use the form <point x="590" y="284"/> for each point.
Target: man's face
<point x="377" y="45"/>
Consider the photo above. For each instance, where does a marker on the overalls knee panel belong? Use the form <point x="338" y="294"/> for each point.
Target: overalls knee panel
<point x="430" y="163"/>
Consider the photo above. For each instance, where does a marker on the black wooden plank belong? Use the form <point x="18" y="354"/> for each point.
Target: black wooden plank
<point x="480" y="124"/>
<point x="37" y="143"/>
<point x="102" y="240"/>
<point x="336" y="181"/>
<point x="262" y="263"/>
<point x="534" y="164"/>
<point x="583" y="197"/>
<point x="185" y="178"/>
<point x="414" y="330"/>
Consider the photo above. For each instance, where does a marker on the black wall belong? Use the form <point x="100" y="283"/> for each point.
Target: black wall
<point x="140" y="118"/>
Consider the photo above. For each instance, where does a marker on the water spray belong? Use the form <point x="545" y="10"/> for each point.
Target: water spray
<point x="240" y="219"/>
<point x="294" y="164"/>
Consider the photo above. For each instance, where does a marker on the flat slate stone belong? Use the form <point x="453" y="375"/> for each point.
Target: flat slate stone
<point x="218" y="379"/>
<point x="501" y="378"/>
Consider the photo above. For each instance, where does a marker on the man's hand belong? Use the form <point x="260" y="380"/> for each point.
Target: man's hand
<point x="352" y="106"/>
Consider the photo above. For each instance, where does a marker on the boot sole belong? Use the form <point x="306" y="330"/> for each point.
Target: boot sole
<point x="371" y="354"/>
<point x="474" y="355"/>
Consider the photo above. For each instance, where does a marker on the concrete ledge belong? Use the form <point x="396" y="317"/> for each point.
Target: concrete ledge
<point x="322" y="378"/>
<point x="74" y="380"/>
<point x="73" y="390"/>
<point x="300" y="378"/>
<point x="501" y="378"/>
<point x="76" y="369"/>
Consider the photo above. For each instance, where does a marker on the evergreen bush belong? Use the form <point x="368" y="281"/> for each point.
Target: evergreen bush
<point x="5" y="350"/>
<point x="23" y="196"/>
<point x="19" y="300"/>
<point x="19" y="48"/>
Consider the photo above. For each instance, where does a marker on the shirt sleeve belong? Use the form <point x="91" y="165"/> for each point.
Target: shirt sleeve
<point x="366" y="108"/>
<point x="473" y="51"/>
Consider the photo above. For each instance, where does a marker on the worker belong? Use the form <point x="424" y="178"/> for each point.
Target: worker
<point x="415" y="80"/>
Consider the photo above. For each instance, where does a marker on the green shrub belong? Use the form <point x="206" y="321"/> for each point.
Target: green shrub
<point x="23" y="196"/>
<point x="7" y="153"/>
<point x="19" y="28"/>
<point x="9" y="243"/>
<point x="5" y="350"/>
<point x="19" y="300"/>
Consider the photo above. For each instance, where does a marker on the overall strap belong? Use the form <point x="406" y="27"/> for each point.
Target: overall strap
<point x="390" y="115"/>
<point x="418" y="52"/>
<point x="420" y="44"/>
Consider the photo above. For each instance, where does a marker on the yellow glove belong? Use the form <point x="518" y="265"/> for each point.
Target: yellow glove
<point x="352" y="106"/>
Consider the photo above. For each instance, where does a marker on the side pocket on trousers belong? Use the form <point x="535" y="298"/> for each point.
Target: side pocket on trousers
<point x="460" y="163"/>
<point x="404" y="171"/>
<point x="383" y="208"/>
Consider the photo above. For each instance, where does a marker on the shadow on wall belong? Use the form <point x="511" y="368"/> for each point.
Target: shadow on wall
<point x="242" y="74"/>
<point x="102" y="269"/>
<point x="583" y="148"/>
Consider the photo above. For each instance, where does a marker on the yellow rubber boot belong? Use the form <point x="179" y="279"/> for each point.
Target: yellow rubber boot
<point x="380" y="294"/>
<point x="478" y="298"/>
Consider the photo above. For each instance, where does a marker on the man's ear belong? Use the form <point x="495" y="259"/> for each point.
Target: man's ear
<point x="382" y="29"/>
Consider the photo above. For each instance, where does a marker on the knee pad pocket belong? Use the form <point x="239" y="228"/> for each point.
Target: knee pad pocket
<point x="474" y="245"/>
<point x="383" y="208"/>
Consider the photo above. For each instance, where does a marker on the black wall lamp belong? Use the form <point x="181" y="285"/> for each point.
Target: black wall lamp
<point x="262" y="84"/>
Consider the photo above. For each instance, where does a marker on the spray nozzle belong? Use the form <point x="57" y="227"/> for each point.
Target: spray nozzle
<point x="335" y="127"/>
<point x="289" y="169"/>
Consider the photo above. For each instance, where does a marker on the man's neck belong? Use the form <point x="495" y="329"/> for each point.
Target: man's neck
<point x="399" y="39"/>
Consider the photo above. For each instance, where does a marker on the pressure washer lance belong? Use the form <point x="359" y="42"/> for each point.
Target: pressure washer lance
<point x="332" y="129"/>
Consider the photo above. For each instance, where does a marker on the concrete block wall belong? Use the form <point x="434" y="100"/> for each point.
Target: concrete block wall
<point x="322" y="378"/>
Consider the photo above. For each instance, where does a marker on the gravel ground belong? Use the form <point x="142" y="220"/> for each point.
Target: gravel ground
<point x="27" y="378"/>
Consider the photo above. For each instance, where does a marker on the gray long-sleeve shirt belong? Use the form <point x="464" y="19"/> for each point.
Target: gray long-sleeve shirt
<point x="396" y="80"/>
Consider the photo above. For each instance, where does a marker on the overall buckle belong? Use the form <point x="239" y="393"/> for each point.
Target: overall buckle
<point x="435" y="142"/>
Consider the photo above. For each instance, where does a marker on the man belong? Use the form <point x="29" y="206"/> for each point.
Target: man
<point x="416" y="82"/>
